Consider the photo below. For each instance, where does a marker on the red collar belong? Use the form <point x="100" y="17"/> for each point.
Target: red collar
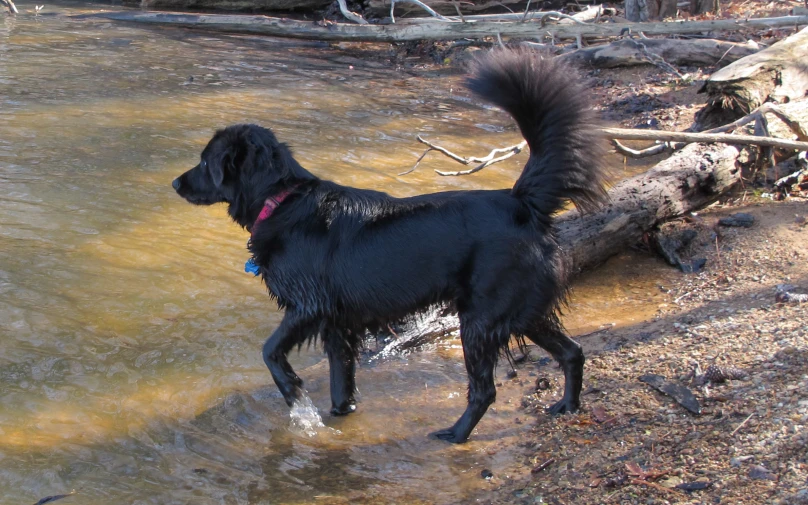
<point x="270" y="204"/>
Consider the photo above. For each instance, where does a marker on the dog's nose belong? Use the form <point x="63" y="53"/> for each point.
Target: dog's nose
<point x="176" y="184"/>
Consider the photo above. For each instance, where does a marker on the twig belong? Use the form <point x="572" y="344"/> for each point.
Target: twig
<point x="417" y="162"/>
<point x="50" y="499"/>
<point x="677" y="300"/>
<point x="741" y="425"/>
<point x="555" y="16"/>
<point x="527" y="10"/>
<point x="655" y="58"/>
<point x="766" y="108"/>
<point x="485" y="161"/>
<point x="457" y="8"/>
<point x="670" y="141"/>
<point x="644" y="153"/>
<point x="422" y="5"/>
<point x="723" y="55"/>
<point x="544" y="465"/>
<point x="350" y="15"/>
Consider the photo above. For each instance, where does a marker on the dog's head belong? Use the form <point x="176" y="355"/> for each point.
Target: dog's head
<point x="242" y="166"/>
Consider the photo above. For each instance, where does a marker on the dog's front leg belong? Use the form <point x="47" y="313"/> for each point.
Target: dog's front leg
<point x="293" y="330"/>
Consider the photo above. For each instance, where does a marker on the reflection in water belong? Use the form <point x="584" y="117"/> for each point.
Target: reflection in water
<point x="129" y="366"/>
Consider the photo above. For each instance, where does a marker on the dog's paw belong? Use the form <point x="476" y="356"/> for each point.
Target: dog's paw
<point x="563" y="407"/>
<point x="343" y="410"/>
<point x="448" y="435"/>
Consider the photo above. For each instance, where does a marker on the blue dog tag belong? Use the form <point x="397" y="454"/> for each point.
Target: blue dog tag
<point x="251" y="268"/>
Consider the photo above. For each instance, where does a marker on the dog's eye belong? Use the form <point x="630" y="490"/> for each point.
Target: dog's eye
<point x="203" y="164"/>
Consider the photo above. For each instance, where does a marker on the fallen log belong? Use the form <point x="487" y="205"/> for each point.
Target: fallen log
<point x="792" y="116"/>
<point x="690" y="179"/>
<point x="778" y="73"/>
<point x="668" y="136"/>
<point x="589" y="14"/>
<point x="627" y="52"/>
<point x="326" y="30"/>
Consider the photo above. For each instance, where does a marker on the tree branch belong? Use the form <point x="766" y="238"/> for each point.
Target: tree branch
<point x="11" y="7"/>
<point x="483" y="162"/>
<point x="704" y="138"/>
<point x="420" y="4"/>
<point x="352" y="16"/>
<point x="644" y="153"/>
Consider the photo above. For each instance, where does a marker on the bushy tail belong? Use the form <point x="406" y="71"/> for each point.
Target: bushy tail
<point x="548" y="100"/>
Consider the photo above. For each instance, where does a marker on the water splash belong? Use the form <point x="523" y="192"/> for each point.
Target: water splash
<point x="305" y="418"/>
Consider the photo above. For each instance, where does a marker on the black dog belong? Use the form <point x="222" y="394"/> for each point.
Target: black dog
<point x="342" y="260"/>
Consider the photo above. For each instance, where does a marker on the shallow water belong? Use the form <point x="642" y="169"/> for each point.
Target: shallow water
<point x="130" y="337"/>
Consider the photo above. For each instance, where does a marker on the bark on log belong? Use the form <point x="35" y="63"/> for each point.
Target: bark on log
<point x="690" y="179"/>
<point x="624" y="53"/>
<point x="778" y="73"/>
<point x="282" y="27"/>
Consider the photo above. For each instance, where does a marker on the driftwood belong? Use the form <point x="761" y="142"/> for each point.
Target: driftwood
<point x="326" y="30"/>
<point x="778" y="73"/>
<point x="792" y="116"/>
<point x="591" y="13"/>
<point x="11" y="7"/>
<point x="690" y="179"/>
<point x="628" y="52"/>
<point x="632" y="134"/>
<point x="381" y="8"/>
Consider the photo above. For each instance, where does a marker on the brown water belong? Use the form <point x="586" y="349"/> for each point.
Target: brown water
<point x="130" y="338"/>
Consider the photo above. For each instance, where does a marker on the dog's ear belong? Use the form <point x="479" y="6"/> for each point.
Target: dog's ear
<point x="216" y="172"/>
<point x="223" y="164"/>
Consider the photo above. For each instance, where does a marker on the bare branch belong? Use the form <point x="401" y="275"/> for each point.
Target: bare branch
<point x="706" y="138"/>
<point x="656" y="59"/>
<point x="422" y="5"/>
<point x="350" y="15"/>
<point x="490" y="159"/>
<point x="644" y="153"/>
<point x="555" y="16"/>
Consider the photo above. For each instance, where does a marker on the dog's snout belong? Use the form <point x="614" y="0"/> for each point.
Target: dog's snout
<point x="176" y="184"/>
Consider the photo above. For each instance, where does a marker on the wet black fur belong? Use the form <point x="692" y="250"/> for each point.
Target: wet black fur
<point x="341" y="260"/>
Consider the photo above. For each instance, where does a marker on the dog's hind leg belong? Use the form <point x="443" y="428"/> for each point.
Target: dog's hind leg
<point x="292" y="331"/>
<point x="342" y="365"/>
<point x="570" y="356"/>
<point x="480" y="352"/>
